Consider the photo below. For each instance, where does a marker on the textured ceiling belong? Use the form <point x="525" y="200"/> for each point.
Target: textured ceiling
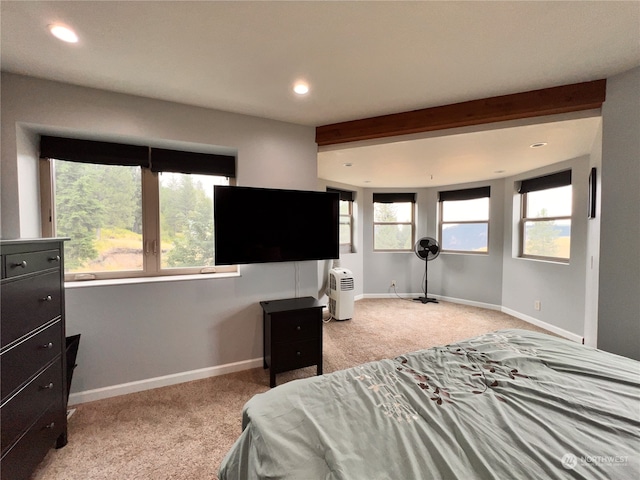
<point x="360" y="58"/>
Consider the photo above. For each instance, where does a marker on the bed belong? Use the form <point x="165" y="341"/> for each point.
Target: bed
<point x="506" y="405"/>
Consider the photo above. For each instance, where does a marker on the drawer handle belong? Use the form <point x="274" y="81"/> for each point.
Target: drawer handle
<point x="298" y="328"/>
<point x="47" y="387"/>
<point x="47" y="346"/>
<point x="48" y="298"/>
<point x="22" y="264"/>
<point x="298" y="353"/>
<point x="54" y="259"/>
<point x="51" y="425"/>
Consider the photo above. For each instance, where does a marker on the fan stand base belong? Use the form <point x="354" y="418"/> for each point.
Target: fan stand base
<point x="426" y="300"/>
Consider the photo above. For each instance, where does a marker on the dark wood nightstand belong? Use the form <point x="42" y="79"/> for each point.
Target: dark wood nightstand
<point x="292" y="335"/>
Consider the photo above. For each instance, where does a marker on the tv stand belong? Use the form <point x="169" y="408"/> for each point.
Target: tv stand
<point x="292" y="335"/>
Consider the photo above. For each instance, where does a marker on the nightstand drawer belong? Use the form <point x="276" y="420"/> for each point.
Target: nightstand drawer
<point x="25" y="359"/>
<point x="29" y="262"/>
<point x="290" y="356"/>
<point x="28" y="303"/>
<point x="18" y="413"/>
<point x="295" y="326"/>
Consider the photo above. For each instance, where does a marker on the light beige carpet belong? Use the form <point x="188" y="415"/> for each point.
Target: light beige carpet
<point x="183" y="431"/>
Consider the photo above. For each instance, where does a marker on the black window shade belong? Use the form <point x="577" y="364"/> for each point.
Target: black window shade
<point x="191" y="162"/>
<point x="90" y="151"/>
<point x="464" y="194"/>
<point x="554" y="180"/>
<point x="157" y="159"/>
<point x="394" y="197"/>
<point x="345" y="195"/>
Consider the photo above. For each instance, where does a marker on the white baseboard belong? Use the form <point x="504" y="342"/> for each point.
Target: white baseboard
<point x="460" y="301"/>
<point x="547" y="326"/>
<point x="521" y="316"/>
<point x="164" y="381"/>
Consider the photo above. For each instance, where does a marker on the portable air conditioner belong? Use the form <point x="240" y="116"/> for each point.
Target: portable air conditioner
<point x="340" y="293"/>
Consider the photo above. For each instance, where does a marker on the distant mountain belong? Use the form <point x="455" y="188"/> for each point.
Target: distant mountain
<point x="471" y="236"/>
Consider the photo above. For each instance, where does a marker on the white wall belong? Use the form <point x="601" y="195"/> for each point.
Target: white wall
<point x="619" y="280"/>
<point x="135" y="331"/>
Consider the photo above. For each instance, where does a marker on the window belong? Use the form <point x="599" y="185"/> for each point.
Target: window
<point x="393" y="221"/>
<point x="545" y="227"/>
<point x="464" y="220"/>
<point x="129" y="211"/>
<point x="346" y="219"/>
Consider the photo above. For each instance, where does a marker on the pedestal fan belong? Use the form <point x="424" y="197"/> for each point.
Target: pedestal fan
<point x="427" y="249"/>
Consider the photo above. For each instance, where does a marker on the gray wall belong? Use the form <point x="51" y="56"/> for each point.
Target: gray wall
<point x="351" y="261"/>
<point x="472" y="278"/>
<point x="619" y="298"/>
<point x="592" y="267"/>
<point x="560" y="287"/>
<point x="135" y="331"/>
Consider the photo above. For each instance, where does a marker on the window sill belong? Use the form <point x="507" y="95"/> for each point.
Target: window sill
<point x="545" y="260"/>
<point x="144" y="280"/>
<point x="454" y="252"/>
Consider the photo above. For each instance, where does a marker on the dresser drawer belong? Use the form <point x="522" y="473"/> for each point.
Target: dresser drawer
<point x="29" y="262"/>
<point x="290" y="356"/>
<point x="295" y="326"/>
<point x="23" y="360"/>
<point x="19" y="462"/>
<point x="28" y="303"/>
<point x="19" y="412"/>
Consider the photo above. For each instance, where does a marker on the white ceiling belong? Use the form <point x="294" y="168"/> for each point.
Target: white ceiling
<point x="361" y="59"/>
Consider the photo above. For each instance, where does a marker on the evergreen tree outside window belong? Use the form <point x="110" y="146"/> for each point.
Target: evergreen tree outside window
<point x="546" y="217"/>
<point x="345" y="209"/>
<point x="124" y="215"/>
<point x="99" y="208"/>
<point x="393" y="221"/>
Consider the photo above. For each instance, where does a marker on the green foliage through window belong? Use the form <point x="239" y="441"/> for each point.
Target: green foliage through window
<point x="393" y="226"/>
<point x="100" y="208"/>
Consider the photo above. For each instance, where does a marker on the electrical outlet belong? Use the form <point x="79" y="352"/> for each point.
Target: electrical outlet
<point x="393" y="283"/>
<point x="536" y="305"/>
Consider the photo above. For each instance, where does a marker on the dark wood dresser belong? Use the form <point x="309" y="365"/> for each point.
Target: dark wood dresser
<point x="292" y="335"/>
<point x="32" y="355"/>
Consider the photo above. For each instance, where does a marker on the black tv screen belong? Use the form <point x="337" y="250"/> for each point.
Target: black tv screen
<point x="259" y="225"/>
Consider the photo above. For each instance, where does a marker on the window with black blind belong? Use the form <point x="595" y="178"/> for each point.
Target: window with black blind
<point x="345" y="218"/>
<point x="464" y="220"/>
<point x="393" y="221"/>
<point x="131" y="210"/>
<point x="545" y="220"/>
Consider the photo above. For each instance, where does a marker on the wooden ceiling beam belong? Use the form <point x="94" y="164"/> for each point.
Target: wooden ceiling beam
<point x="548" y="101"/>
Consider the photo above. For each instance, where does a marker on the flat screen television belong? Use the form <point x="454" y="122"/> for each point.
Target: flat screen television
<point x="260" y="225"/>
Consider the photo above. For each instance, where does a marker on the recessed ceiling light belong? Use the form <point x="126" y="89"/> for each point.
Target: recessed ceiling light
<point x="348" y="164"/>
<point x="367" y="181"/>
<point x="301" y="88"/>
<point x="538" y="145"/>
<point x="498" y="171"/>
<point x="63" y="33"/>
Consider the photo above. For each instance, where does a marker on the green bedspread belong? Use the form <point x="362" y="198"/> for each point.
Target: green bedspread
<point x="508" y="405"/>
